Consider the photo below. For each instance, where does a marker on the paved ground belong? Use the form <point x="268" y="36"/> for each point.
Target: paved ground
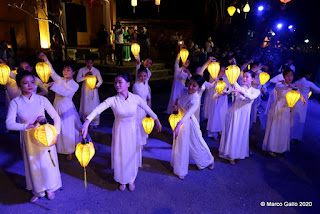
<point x="293" y="177"/>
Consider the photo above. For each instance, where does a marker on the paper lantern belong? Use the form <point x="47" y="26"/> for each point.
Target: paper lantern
<point x="246" y="8"/>
<point x="43" y="70"/>
<point x="174" y="119"/>
<point x="4" y="74"/>
<point x="220" y="86"/>
<point x="232" y="73"/>
<point x="309" y="95"/>
<point x="84" y="153"/>
<point x="214" y="68"/>
<point x="184" y="53"/>
<point x="134" y="3"/>
<point x="264" y="78"/>
<point x="45" y="134"/>
<point x="292" y="97"/>
<point x="91" y="81"/>
<point x="135" y="49"/>
<point x="157" y="2"/>
<point x="148" y="124"/>
<point x="285" y="1"/>
<point x="231" y="10"/>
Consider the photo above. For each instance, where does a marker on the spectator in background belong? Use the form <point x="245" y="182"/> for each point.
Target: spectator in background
<point x="162" y="46"/>
<point x="202" y="56"/>
<point x="145" y="43"/>
<point x="102" y="44"/>
<point x="209" y="45"/>
<point x="126" y="47"/>
<point x="6" y="53"/>
<point x="135" y="35"/>
<point x="118" y="32"/>
<point x="56" y="48"/>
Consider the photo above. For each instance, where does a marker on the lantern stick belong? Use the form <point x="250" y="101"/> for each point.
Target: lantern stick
<point x="85" y="177"/>
<point x="51" y="158"/>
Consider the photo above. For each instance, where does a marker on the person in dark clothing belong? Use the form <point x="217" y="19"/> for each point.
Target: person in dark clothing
<point x="102" y="41"/>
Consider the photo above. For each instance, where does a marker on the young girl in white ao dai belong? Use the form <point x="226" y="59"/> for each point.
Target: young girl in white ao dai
<point x="188" y="138"/>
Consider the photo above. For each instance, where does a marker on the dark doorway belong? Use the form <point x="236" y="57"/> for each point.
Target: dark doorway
<point x="76" y="22"/>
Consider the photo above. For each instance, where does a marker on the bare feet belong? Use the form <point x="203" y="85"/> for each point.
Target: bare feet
<point x="51" y="195"/>
<point x="232" y="162"/>
<point x="211" y="166"/>
<point x="181" y="177"/>
<point x="122" y="187"/>
<point x="33" y="199"/>
<point x="132" y="187"/>
<point x="69" y="157"/>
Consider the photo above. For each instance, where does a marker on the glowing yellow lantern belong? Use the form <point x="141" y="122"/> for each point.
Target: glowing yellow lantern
<point x="214" y="68"/>
<point x="14" y="71"/>
<point x="174" y="119"/>
<point x="45" y="134"/>
<point x="264" y="78"/>
<point x="134" y="3"/>
<point x="220" y="86"/>
<point x="148" y="124"/>
<point x="231" y="10"/>
<point x="157" y="2"/>
<point x="84" y="153"/>
<point x="135" y="49"/>
<point x="91" y="81"/>
<point x="246" y="9"/>
<point x="292" y="97"/>
<point x="4" y="74"/>
<point x="43" y="70"/>
<point x="309" y="95"/>
<point x="232" y="73"/>
<point x="285" y="1"/>
<point x="184" y="53"/>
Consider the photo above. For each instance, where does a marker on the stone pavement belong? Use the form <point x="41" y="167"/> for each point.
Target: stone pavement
<point x="293" y="177"/>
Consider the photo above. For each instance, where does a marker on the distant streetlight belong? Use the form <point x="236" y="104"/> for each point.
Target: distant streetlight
<point x="279" y="26"/>
<point x="290" y="27"/>
<point x="306" y="41"/>
<point x="260" y="8"/>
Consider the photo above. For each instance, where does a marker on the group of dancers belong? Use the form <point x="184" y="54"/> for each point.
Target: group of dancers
<point x="27" y="109"/>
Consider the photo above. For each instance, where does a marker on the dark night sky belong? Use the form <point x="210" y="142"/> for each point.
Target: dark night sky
<point x="303" y="14"/>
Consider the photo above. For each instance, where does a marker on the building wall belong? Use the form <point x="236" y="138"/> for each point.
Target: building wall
<point x="26" y="27"/>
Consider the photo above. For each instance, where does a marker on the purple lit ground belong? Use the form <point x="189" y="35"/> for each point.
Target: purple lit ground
<point x="226" y="189"/>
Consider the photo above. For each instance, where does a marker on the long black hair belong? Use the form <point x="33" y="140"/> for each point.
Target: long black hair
<point x="199" y="79"/>
<point x="125" y="76"/>
<point x="250" y="72"/>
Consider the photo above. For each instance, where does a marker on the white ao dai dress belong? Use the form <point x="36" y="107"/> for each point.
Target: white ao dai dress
<point x="218" y="110"/>
<point x="179" y="82"/>
<point x="234" y="142"/>
<point x="141" y="89"/>
<point x="125" y="150"/>
<point x="277" y="135"/>
<point x="208" y="101"/>
<point x="89" y="97"/>
<point x="299" y="111"/>
<point x="70" y="120"/>
<point x="41" y="175"/>
<point x="190" y="140"/>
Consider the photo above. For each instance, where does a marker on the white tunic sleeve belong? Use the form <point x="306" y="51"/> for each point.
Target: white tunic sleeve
<point x="52" y="113"/>
<point x="192" y="109"/>
<point x="11" y="122"/>
<point x="314" y="88"/>
<point x="80" y="76"/>
<point x="99" y="78"/>
<point x="100" y="108"/>
<point x="53" y="73"/>
<point x="65" y="91"/>
<point x="142" y="104"/>
<point x="247" y="95"/>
